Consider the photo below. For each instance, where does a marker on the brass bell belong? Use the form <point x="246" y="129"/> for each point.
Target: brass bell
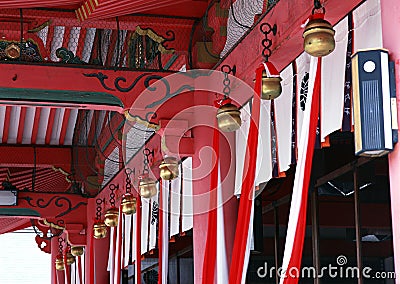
<point x="60" y="263"/>
<point x="169" y="168"/>
<point x="147" y="187"/>
<point x="99" y="230"/>
<point x="111" y="217"/>
<point x="319" y="37"/>
<point x="271" y="87"/>
<point x="77" y="251"/>
<point x="70" y="258"/>
<point x="228" y="116"/>
<point x="128" y="204"/>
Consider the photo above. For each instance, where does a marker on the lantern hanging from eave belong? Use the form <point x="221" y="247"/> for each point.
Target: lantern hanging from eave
<point x="374" y="103"/>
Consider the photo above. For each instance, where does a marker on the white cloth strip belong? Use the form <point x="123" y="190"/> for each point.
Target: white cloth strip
<point x="145" y="224"/>
<point x="303" y="69"/>
<point x="368" y="25"/>
<point x="264" y="159"/>
<point x="332" y="83"/>
<point x="175" y="206"/>
<point x="127" y="238"/>
<point x="111" y="253"/>
<point x="299" y="176"/>
<point x="240" y="150"/>
<point x="222" y="263"/>
<point x="165" y="244"/>
<point x="154" y="219"/>
<point x="283" y="118"/>
<point x="187" y="195"/>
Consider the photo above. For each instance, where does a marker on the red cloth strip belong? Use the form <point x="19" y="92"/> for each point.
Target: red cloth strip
<point x="245" y="206"/>
<point x="297" y="251"/>
<point x="67" y="269"/>
<point x="210" y="254"/>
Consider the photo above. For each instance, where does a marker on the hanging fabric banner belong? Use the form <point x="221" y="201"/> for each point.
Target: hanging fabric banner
<point x="210" y="254"/>
<point x="298" y="208"/>
<point x="163" y="236"/>
<point x="118" y="249"/>
<point x="154" y="219"/>
<point x="283" y="119"/>
<point x="241" y="246"/>
<point x="187" y="193"/>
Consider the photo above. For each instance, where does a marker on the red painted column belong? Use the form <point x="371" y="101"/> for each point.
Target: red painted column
<point x="202" y="164"/>
<point x="231" y="203"/>
<point x="391" y="41"/>
<point x="54" y="252"/>
<point x="100" y="247"/>
<point x="201" y="185"/>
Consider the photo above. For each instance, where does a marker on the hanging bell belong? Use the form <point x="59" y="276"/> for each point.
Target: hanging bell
<point x="111" y="217"/>
<point x="128" y="204"/>
<point x="77" y="251"/>
<point x="60" y="263"/>
<point x="228" y="117"/>
<point x="319" y="36"/>
<point x="99" y="230"/>
<point x="70" y="258"/>
<point x="147" y="186"/>
<point x="169" y="168"/>
<point x="271" y="87"/>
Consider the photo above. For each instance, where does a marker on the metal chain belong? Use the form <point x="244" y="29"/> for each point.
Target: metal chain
<point x="60" y="244"/>
<point x="266" y="29"/>
<point x="227" y="82"/>
<point x="113" y="187"/>
<point x="146" y="153"/>
<point x="128" y="172"/>
<point x="99" y="201"/>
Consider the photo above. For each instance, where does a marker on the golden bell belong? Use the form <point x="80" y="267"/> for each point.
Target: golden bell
<point x="111" y="217"/>
<point x="169" y="168"/>
<point x="70" y="258"/>
<point x="99" y="230"/>
<point x="228" y="116"/>
<point x="128" y="204"/>
<point x="147" y="187"/>
<point x="271" y="87"/>
<point x="319" y="38"/>
<point x="60" y="263"/>
<point x="77" y="251"/>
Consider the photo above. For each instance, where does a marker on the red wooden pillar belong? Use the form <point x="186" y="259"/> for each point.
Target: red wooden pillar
<point x="391" y="25"/>
<point x="202" y="164"/>
<point x="231" y="203"/>
<point x="54" y="253"/>
<point x="100" y="249"/>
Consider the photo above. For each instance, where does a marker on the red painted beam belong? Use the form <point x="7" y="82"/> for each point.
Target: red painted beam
<point x="288" y="43"/>
<point x="14" y="4"/>
<point x="74" y="79"/>
<point x="23" y="156"/>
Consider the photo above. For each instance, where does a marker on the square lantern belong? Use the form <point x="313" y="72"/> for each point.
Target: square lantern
<point x="372" y="103"/>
